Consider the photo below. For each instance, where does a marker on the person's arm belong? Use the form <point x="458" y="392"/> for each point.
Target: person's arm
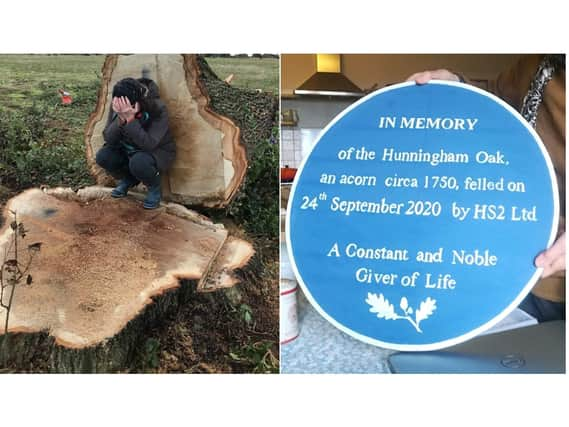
<point x="147" y="140"/>
<point x="112" y="132"/>
<point x="512" y="85"/>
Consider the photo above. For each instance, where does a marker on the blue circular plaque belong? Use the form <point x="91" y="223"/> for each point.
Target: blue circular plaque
<point x="414" y="222"/>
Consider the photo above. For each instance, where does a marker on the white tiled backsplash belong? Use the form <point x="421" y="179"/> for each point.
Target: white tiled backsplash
<point x="291" y="153"/>
<point x="295" y="144"/>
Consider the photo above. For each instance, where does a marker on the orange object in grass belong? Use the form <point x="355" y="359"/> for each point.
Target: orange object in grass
<point x="65" y="97"/>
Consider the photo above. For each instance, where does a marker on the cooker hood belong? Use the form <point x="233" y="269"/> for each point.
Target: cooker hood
<point x="328" y="80"/>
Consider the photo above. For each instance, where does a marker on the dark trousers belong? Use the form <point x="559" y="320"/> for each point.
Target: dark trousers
<point x="543" y="310"/>
<point x="139" y="166"/>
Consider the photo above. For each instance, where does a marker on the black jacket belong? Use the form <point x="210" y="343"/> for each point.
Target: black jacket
<point x="153" y="137"/>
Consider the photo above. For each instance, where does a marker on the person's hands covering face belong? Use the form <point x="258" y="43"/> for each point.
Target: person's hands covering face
<point x="124" y="109"/>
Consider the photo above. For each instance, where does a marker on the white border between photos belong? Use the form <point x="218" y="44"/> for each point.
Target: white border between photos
<point x="290" y="400"/>
<point x="295" y="26"/>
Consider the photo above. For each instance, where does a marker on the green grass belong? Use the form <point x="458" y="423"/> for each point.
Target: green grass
<point x="41" y="141"/>
<point x="249" y="73"/>
<point x="26" y="77"/>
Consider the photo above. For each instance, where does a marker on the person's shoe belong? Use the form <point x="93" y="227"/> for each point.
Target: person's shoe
<point x="153" y="196"/>
<point x="123" y="186"/>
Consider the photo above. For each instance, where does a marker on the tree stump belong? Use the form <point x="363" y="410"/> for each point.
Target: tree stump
<point x="107" y="271"/>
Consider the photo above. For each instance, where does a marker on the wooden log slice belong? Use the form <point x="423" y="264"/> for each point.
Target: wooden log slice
<point x="107" y="270"/>
<point x="211" y="161"/>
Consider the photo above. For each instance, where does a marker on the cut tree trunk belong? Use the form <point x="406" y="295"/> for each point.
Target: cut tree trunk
<point x="210" y="161"/>
<point x="107" y="271"/>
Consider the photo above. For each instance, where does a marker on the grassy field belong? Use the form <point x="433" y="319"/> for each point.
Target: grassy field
<point x="41" y="140"/>
<point x="41" y="143"/>
<point x="249" y="73"/>
<point x="26" y="77"/>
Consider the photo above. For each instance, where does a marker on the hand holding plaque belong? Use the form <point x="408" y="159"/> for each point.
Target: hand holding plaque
<point x="415" y="221"/>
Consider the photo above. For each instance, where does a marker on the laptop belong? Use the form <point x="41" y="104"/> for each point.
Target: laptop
<point x="532" y="349"/>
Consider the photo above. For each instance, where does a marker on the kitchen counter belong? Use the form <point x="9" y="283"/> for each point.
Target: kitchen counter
<point x="321" y="348"/>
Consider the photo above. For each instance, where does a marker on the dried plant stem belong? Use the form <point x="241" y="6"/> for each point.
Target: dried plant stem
<point x="8" y="309"/>
<point x="15" y="273"/>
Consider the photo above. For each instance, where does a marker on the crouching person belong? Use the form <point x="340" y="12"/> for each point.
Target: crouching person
<point x="138" y="143"/>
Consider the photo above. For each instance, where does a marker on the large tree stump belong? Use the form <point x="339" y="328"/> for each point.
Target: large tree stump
<point x="211" y="161"/>
<point x="107" y="271"/>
